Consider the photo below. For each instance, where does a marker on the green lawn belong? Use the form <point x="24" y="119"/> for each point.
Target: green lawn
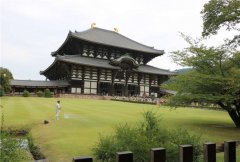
<point x="86" y="119"/>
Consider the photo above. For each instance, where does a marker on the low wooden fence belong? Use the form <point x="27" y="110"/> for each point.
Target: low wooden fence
<point x="185" y="154"/>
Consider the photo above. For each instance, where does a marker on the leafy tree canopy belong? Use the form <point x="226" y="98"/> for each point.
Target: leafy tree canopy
<point x="214" y="78"/>
<point x="221" y="13"/>
<point x="215" y="74"/>
<point x="5" y="77"/>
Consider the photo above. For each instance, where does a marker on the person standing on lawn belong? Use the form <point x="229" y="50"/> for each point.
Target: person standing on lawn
<point x="58" y="107"/>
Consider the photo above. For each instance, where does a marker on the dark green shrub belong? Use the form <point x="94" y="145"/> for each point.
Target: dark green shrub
<point x="26" y="93"/>
<point x="47" y="93"/>
<point x="40" y="93"/>
<point x="146" y="134"/>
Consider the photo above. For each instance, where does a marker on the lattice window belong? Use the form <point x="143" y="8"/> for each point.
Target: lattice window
<point x="105" y="54"/>
<point x="130" y="79"/>
<point x="99" y="53"/>
<point x="112" y="56"/>
<point x="78" y="90"/>
<point x="109" y="75"/>
<point x="94" y="73"/>
<point x="154" y="80"/>
<point x="74" y="72"/>
<point x="135" y="79"/>
<point x="91" y="51"/>
<point x="90" y="87"/>
<point x="146" y="79"/>
<point x="85" y="50"/>
<point x="73" y="90"/>
<point x="103" y="75"/>
<point x="87" y="73"/>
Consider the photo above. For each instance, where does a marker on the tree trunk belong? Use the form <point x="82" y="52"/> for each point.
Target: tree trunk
<point x="235" y="117"/>
<point x="233" y="113"/>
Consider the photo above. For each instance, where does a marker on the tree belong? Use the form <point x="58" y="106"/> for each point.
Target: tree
<point x="215" y="74"/>
<point x="5" y="77"/>
<point x="221" y="13"/>
<point x="214" y="78"/>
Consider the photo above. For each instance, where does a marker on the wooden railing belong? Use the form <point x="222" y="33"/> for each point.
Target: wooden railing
<point x="185" y="154"/>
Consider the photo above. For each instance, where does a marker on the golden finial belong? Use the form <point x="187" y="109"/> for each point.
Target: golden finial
<point x="93" y="25"/>
<point x="116" y="30"/>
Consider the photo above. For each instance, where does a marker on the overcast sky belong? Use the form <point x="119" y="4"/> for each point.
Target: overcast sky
<point x="32" y="29"/>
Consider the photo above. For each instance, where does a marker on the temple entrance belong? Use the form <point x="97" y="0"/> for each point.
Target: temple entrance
<point x="104" y="88"/>
<point x="119" y="89"/>
<point x="133" y="90"/>
<point x="154" y="91"/>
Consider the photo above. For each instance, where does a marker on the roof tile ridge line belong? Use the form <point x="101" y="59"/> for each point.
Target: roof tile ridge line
<point x="137" y="42"/>
<point x="76" y="36"/>
<point x="55" y="60"/>
<point x="158" y="68"/>
<point x="82" y="32"/>
<point x="68" y="56"/>
<point x="66" y="39"/>
<point x="122" y="36"/>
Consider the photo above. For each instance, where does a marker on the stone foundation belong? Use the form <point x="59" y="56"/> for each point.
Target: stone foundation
<point x="79" y="96"/>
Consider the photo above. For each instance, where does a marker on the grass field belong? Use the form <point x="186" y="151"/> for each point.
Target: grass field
<point x="84" y="120"/>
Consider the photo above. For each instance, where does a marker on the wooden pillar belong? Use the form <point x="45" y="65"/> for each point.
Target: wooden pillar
<point x="209" y="150"/>
<point x="186" y="153"/>
<point x="82" y="159"/>
<point x="83" y="78"/>
<point x="114" y="75"/>
<point x="126" y="156"/>
<point x="158" y="155"/>
<point x="98" y="81"/>
<point x="230" y="151"/>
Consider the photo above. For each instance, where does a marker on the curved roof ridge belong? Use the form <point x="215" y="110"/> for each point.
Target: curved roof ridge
<point x="112" y="38"/>
<point x="158" y="68"/>
<point x="117" y="33"/>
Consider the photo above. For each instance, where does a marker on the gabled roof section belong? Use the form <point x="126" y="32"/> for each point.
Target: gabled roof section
<point x="111" y="38"/>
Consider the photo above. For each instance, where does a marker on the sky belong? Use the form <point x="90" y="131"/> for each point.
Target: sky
<point x="32" y="29"/>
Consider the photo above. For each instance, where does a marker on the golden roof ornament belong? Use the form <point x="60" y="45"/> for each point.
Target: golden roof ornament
<point x="93" y="25"/>
<point x="116" y="30"/>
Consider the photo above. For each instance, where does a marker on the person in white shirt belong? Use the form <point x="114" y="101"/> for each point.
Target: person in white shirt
<point x="57" y="110"/>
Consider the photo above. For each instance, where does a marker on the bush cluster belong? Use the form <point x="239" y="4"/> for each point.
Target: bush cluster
<point x="26" y="93"/>
<point x="40" y="93"/>
<point x="47" y="93"/>
<point x="146" y="134"/>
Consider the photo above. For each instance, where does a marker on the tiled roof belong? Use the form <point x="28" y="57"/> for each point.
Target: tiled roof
<point x="88" y="61"/>
<point x="153" y="70"/>
<point x="39" y="83"/>
<point x="112" y="38"/>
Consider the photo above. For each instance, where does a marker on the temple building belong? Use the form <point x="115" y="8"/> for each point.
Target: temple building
<point x="103" y="62"/>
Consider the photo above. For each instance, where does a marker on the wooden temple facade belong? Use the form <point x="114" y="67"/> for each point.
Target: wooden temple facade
<point x="104" y="62"/>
